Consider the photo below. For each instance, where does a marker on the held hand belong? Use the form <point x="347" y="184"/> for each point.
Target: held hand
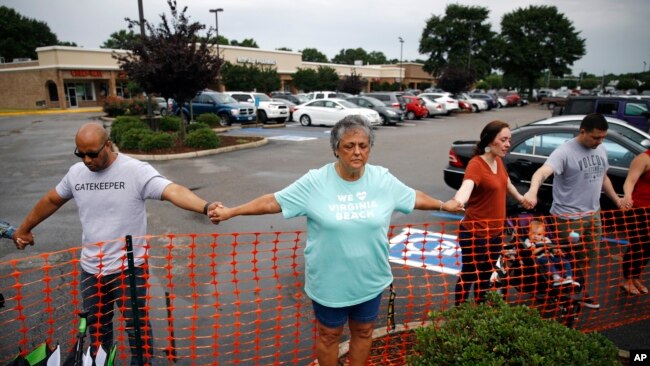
<point x="214" y="205"/>
<point x="218" y="214"/>
<point x="453" y="206"/>
<point x="526" y="204"/>
<point x="530" y="199"/>
<point x="23" y="239"/>
<point x="626" y="203"/>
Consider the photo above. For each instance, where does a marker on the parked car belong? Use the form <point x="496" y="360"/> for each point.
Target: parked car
<point x="295" y="99"/>
<point x="633" y="110"/>
<point x="615" y="124"/>
<point x="465" y="106"/>
<point x="478" y="105"/>
<point x="391" y="99"/>
<point x="389" y="115"/>
<point x="266" y="108"/>
<point x="220" y="104"/>
<point x="415" y="108"/>
<point x="329" y="111"/>
<point x="327" y="95"/>
<point x="161" y="106"/>
<point x="446" y="98"/>
<point x="552" y="102"/>
<point x="434" y="108"/>
<point x="530" y="146"/>
<point x="290" y="105"/>
<point x="513" y="99"/>
<point x="491" y="101"/>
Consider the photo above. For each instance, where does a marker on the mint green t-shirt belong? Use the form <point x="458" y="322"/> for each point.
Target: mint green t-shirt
<point x="346" y="256"/>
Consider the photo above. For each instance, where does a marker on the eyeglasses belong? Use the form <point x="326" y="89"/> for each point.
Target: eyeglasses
<point x="91" y="155"/>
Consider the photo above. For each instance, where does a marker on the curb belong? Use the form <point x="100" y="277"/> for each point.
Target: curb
<point x="196" y="154"/>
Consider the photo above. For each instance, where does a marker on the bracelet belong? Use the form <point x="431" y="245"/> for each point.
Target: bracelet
<point x="441" y="204"/>
<point x="205" y="208"/>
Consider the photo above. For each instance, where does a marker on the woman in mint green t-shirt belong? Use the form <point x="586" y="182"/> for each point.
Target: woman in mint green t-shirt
<point x="348" y="205"/>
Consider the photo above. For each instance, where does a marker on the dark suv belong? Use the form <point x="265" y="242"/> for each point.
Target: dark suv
<point x="222" y="105"/>
<point x="633" y="110"/>
<point x="391" y="99"/>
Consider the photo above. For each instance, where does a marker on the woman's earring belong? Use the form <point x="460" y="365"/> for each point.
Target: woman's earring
<point x="487" y="149"/>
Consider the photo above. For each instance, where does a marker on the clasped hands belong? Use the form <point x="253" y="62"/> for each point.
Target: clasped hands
<point x="217" y="212"/>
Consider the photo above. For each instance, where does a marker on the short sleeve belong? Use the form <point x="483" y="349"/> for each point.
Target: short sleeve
<point x="294" y="198"/>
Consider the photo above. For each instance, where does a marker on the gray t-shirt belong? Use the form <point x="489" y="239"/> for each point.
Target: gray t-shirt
<point x="578" y="174"/>
<point x="111" y="205"/>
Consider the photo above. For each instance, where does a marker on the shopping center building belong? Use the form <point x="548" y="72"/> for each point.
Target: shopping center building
<point x="71" y="77"/>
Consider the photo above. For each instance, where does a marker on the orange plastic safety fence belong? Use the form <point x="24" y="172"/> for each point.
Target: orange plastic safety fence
<point x="237" y="298"/>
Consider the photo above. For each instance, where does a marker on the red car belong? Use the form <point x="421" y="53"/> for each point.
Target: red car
<point x="415" y="108"/>
<point x="465" y="106"/>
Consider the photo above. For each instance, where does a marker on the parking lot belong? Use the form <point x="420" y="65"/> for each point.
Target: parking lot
<point x="37" y="151"/>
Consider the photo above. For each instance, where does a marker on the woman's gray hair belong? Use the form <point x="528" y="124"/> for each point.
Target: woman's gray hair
<point x="347" y="124"/>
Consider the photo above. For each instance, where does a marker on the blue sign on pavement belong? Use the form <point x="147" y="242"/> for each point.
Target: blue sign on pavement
<point x="426" y="249"/>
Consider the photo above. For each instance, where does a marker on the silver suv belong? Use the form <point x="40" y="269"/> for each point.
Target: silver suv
<point x="267" y="109"/>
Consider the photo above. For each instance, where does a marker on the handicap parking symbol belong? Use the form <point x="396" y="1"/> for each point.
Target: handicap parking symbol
<point x="426" y="249"/>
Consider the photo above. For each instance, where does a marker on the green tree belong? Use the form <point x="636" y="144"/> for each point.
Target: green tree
<point x="328" y="79"/>
<point x="250" y="77"/>
<point x="120" y="40"/>
<point x="284" y="49"/>
<point x="495" y="81"/>
<point x="350" y="55"/>
<point x="247" y="42"/>
<point x="462" y="38"/>
<point x="21" y="36"/>
<point x="627" y="83"/>
<point x="589" y="83"/>
<point x="376" y="58"/>
<point x="169" y="60"/>
<point x="313" y="55"/>
<point x="323" y="78"/>
<point x="536" y="39"/>
<point x="305" y="79"/>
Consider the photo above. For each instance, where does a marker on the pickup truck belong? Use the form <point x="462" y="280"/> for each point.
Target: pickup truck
<point x="267" y="109"/>
<point x="222" y="105"/>
<point x="552" y="102"/>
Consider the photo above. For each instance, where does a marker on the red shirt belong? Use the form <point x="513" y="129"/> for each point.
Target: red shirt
<point x="486" y="207"/>
<point x="641" y="193"/>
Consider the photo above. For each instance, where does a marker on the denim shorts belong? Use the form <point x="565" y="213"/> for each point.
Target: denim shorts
<point x="365" y="312"/>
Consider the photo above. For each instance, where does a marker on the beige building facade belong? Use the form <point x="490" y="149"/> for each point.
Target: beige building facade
<point x="71" y="77"/>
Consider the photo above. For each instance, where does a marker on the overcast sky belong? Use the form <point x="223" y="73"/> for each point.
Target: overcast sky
<point x="617" y="32"/>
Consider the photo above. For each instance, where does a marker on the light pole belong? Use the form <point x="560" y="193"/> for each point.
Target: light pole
<point x="216" y="28"/>
<point x="216" y="18"/>
<point x="401" y="66"/>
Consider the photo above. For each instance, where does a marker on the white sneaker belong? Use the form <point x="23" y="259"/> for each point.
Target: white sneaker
<point x="561" y="282"/>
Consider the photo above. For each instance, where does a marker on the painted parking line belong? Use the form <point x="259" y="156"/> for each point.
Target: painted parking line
<point x="432" y="251"/>
<point x="292" y="138"/>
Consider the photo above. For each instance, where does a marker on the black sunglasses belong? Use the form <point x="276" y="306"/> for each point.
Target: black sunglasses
<point x="91" y="155"/>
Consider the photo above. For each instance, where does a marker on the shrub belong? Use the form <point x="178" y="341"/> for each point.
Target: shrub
<point x="131" y="138"/>
<point x="210" y="119"/>
<point x="495" y="333"/>
<point x="123" y="124"/>
<point x="156" y="140"/>
<point x="136" y="107"/>
<point x="115" y="106"/>
<point x="202" y="138"/>
<point x="197" y="126"/>
<point x="170" y="123"/>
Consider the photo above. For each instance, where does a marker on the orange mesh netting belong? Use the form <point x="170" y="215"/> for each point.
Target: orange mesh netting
<point x="237" y="298"/>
